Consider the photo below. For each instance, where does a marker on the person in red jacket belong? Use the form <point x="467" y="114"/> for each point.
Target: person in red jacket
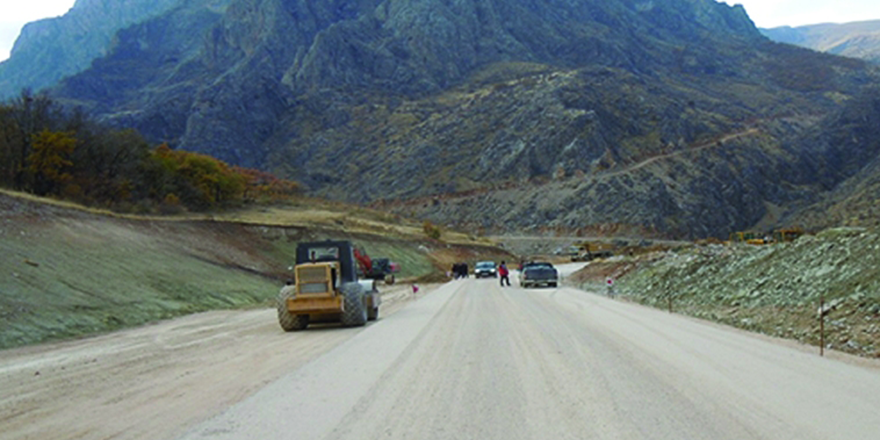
<point x="504" y="274"/>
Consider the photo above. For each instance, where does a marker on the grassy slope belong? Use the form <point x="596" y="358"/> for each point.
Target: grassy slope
<point x="68" y="272"/>
<point x="93" y="278"/>
<point x="773" y="290"/>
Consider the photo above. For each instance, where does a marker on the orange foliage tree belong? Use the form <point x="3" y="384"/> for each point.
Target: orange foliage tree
<point x="262" y="184"/>
<point x="207" y="181"/>
<point x="49" y="158"/>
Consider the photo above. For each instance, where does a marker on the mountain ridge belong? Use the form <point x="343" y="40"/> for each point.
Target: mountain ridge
<point x="50" y="49"/>
<point x="859" y="39"/>
<point x="373" y="100"/>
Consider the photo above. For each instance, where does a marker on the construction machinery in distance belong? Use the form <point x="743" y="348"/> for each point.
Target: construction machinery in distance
<point x="326" y="288"/>
<point x="376" y="269"/>
<point x="787" y="235"/>
<point x="588" y="251"/>
<point x="749" y="237"/>
<point x="757" y="238"/>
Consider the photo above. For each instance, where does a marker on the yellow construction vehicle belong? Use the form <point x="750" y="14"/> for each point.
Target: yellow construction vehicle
<point x="587" y="251"/>
<point x="756" y="238"/>
<point x="749" y="237"/>
<point x="787" y="235"/>
<point x="326" y="288"/>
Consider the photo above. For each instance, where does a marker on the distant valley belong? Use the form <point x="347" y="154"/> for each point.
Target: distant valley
<point x="856" y="40"/>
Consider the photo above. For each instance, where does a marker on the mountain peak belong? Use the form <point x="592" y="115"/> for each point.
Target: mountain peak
<point x="673" y="116"/>
<point x="51" y="49"/>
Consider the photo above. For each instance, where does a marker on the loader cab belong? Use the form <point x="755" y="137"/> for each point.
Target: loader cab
<point x="339" y="252"/>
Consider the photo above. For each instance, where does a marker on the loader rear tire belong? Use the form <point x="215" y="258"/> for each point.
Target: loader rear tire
<point x="290" y="322"/>
<point x="355" y="313"/>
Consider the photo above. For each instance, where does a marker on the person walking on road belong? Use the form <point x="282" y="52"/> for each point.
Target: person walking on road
<point x="504" y="274"/>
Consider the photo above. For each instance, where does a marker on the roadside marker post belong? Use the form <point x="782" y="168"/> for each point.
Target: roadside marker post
<point x="610" y="283"/>
<point x="822" y="324"/>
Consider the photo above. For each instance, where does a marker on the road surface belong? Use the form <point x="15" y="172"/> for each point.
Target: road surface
<point x="155" y="382"/>
<point x="475" y="361"/>
<point x="468" y="360"/>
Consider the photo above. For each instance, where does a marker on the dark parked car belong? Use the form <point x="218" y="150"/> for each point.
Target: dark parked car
<point x="538" y="274"/>
<point x="486" y="269"/>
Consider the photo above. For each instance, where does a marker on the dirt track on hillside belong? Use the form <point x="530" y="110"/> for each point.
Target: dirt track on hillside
<point x="152" y="382"/>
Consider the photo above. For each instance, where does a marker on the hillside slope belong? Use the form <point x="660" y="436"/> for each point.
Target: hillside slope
<point x="857" y="40"/>
<point x="808" y="171"/>
<point x="70" y="272"/>
<point x="774" y="290"/>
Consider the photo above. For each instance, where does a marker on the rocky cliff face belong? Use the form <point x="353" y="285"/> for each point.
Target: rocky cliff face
<point x="794" y="170"/>
<point x="51" y="49"/>
<point x="676" y="117"/>
<point x="846" y="146"/>
<point x="266" y="55"/>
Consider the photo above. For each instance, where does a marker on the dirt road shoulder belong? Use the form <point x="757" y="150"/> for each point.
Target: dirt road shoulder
<point x="155" y="381"/>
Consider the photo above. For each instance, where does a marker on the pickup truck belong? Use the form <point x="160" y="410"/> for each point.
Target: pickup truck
<point x="538" y="274"/>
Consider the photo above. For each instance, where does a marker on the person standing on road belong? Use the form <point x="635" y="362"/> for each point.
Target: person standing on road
<point x="503" y="274"/>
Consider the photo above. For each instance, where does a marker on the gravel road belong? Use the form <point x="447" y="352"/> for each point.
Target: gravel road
<point x="469" y="360"/>
<point x="475" y="361"/>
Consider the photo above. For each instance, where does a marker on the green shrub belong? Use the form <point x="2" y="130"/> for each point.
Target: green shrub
<point x="431" y="231"/>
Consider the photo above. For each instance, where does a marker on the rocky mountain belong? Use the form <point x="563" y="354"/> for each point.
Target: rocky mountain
<point x="671" y="118"/>
<point x="51" y="49"/>
<point x="850" y="140"/>
<point x="857" y="40"/>
<point x="785" y="170"/>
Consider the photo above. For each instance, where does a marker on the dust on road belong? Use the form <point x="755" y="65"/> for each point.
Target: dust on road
<point x="153" y="382"/>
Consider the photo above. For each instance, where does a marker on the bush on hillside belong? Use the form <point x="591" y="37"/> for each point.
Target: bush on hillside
<point x="49" y="151"/>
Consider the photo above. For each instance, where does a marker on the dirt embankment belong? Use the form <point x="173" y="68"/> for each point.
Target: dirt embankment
<point x="68" y="272"/>
<point x="775" y="290"/>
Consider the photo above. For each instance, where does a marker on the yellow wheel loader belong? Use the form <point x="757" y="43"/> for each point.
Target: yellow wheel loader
<point x="326" y="288"/>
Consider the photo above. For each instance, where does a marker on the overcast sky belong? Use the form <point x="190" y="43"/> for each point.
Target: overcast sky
<point x="765" y="13"/>
<point x="14" y="14"/>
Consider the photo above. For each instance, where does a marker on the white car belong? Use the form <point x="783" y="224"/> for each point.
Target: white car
<point x="486" y="269"/>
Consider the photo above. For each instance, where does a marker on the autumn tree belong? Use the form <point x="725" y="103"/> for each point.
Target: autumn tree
<point x="46" y="149"/>
<point x="30" y="114"/>
<point x="108" y="162"/>
<point x="49" y="161"/>
<point x="200" y="181"/>
<point x="262" y="184"/>
<point x="9" y="147"/>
